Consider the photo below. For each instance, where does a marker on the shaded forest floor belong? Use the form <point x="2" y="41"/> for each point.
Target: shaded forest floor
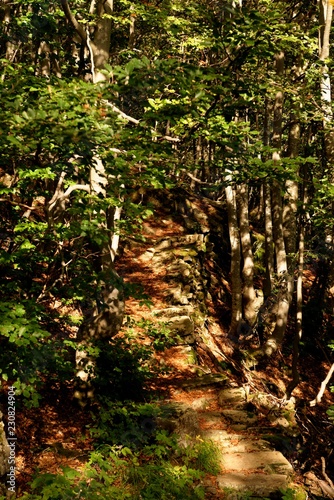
<point x="56" y="435"/>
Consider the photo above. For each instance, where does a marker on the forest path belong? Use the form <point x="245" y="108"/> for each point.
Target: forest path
<point x="177" y="270"/>
<point x="249" y="465"/>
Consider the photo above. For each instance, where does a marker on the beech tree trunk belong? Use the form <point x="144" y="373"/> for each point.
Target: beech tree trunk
<point x="283" y="301"/>
<point x="299" y="313"/>
<point x="268" y="224"/>
<point x="248" y="292"/>
<point x="107" y="315"/>
<point x="236" y="313"/>
<point x="269" y="241"/>
<point x="326" y="15"/>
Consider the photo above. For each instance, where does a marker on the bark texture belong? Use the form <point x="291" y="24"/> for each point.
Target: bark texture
<point x="248" y="292"/>
<point x="236" y="313"/>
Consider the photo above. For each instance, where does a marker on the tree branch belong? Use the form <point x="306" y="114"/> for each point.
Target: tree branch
<point x="58" y="188"/>
<point x="72" y="19"/>
<point x="121" y="113"/>
<point x="323" y="387"/>
<point x="136" y="122"/>
<point x="204" y="183"/>
<point x="80" y="187"/>
<point x="16" y="203"/>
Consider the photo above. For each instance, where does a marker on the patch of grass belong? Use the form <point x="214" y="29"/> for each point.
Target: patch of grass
<point x="205" y="456"/>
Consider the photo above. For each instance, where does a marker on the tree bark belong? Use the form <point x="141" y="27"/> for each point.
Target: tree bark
<point x="283" y="304"/>
<point x="248" y="292"/>
<point x="236" y="313"/>
<point x="268" y="224"/>
<point x="269" y="241"/>
<point x="299" y="313"/>
<point x="99" y="46"/>
<point x="326" y="15"/>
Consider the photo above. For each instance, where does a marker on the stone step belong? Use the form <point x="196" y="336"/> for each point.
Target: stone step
<point x="259" y="484"/>
<point x="232" y="396"/>
<point x="240" y="417"/>
<point x="212" y="379"/>
<point x="267" y="461"/>
<point x="220" y="436"/>
<point x="237" y="444"/>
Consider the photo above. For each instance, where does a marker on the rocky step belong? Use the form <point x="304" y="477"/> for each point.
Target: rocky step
<point x="234" y="443"/>
<point x="258" y="484"/>
<point x="270" y="461"/>
<point x="212" y="379"/>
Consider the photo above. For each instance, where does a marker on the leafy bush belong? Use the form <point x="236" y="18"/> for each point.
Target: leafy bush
<point x="119" y="474"/>
<point x="123" y="366"/>
<point x="27" y="353"/>
<point x="161" y="335"/>
<point x="128" y="424"/>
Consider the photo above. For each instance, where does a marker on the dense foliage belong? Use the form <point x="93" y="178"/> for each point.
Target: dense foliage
<point x="102" y="102"/>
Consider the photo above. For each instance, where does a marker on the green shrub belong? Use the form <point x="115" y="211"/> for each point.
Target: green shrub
<point x="119" y="474"/>
<point x="124" y="423"/>
<point x="28" y="354"/>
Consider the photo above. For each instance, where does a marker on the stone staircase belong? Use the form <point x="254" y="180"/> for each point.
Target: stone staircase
<point x="186" y="266"/>
<point x="250" y="466"/>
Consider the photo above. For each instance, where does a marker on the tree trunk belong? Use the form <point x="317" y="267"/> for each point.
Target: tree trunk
<point x="268" y="224"/>
<point x="236" y="314"/>
<point x="102" y="37"/>
<point x="269" y="241"/>
<point x="248" y="292"/>
<point x="299" y="314"/>
<point x="277" y="208"/>
<point x="283" y="302"/>
<point x="108" y="314"/>
<point x="326" y="14"/>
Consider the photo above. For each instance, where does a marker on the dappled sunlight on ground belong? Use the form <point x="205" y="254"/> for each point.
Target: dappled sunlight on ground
<point x="56" y="435"/>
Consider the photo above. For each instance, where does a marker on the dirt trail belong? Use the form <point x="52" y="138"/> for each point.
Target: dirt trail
<point x="170" y="268"/>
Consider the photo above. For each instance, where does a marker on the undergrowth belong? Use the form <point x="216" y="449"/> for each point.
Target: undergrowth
<point x="161" y="470"/>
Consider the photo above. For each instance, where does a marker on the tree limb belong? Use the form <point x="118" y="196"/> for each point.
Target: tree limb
<point x="58" y="188"/>
<point x="72" y="19"/>
<point x="323" y="470"/>
<point x="16" y="203"/>
<point x="136" y="122"/>
<point x="323" y="387"/>
<point x="192" y="177"/>
<point x="73" y="187"/>
<point x="121" y="113"/>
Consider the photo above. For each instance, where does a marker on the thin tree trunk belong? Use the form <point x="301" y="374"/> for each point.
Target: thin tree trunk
<point x="11" y="48"/>
<point x="268" y="224"/>
<point x="323" y="387"/>
<point x="132" y="28"/>
<point x="248" y="292"/>
<point x="236" y="314"/>
<point x="269" y="241"/>
<point x="283" y="304"/>
<point x="326" y="14"/>
<point x="299" y="313"/>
